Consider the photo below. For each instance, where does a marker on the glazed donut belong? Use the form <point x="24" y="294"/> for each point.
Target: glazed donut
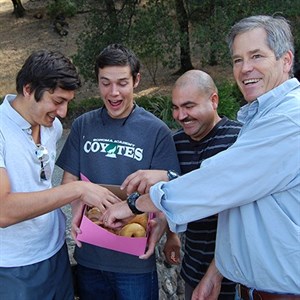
<point x="94" y="215"/>
<point x="133" y="230"/>
<point x="140" y="219"/>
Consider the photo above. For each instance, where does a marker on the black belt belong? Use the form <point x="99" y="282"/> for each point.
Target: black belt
<point x="244" y="293"/>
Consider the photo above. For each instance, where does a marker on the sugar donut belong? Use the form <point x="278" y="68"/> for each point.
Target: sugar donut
<point x="133" y="230"/>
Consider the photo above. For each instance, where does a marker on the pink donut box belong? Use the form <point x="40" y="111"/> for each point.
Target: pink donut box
<point x="94" y="234"/>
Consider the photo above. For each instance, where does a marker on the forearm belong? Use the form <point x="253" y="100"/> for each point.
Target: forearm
<point x="214" y="273"/>
<point x="17" y="207"/>
<point x="145" y="204"/>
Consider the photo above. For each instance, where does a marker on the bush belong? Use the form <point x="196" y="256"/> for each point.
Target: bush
<point x="230" y="99"/>
<point x="66" y="8"/>
<point x="160" y="106"/>
<point x="75" y="109"/>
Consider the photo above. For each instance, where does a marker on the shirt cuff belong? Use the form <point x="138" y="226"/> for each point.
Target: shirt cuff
<point x="158" y="197"/>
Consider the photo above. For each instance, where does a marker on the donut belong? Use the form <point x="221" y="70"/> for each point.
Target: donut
<point x="94" y="215"/>
<point x="133" y="230"/>
<point x="140" y="219"/>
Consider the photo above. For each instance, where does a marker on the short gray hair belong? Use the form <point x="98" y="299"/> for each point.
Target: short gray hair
<point x="279" y="36"/>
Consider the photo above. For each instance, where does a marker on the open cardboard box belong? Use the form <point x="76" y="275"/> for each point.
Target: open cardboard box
<point x="94" y="234"/>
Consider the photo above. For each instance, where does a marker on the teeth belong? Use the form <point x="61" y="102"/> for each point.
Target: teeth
<point x="187" y="122"/>
<point x="250" y="81"/>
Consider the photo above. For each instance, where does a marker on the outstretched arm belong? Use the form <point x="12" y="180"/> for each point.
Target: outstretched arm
<point x="17" y="207"/>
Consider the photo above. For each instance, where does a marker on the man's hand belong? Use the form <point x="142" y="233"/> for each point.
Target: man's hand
<point x="117" y="215"/>
<point x="172" y="248"/>
<point x="95" y="195"/>
<point x="157" y="228"/>
<point x="77" y="211"/>
<point x="141" y="181"/>
<point x="210" y="285"/>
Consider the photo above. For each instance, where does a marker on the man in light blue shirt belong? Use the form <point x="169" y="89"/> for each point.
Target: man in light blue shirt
<point x="255" y="184"/>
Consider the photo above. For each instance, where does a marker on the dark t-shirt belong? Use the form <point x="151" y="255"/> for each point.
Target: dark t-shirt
<point x="106" y="151"/>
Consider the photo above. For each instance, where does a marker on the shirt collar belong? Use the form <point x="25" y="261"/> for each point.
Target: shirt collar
<point x="269" y="99"/>
<point x="14" y="115"/>
<point x="105" y="117"/>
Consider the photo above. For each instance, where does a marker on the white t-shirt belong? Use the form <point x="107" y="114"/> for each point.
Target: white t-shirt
<point x="37" y="239"/>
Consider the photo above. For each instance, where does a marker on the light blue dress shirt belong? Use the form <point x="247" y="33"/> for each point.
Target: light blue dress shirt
<point x="255" y="188"/>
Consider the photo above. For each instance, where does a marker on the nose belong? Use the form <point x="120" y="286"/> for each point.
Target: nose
<point x="247" y="66"/>
<point x="62" y="109"/>
<point x="180" y="114"/>
<point x="114" y="90"/>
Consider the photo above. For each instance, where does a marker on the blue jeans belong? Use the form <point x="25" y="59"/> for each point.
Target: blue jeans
<point x="96" y="284"/>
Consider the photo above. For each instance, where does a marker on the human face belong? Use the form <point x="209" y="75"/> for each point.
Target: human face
<point x="255" y="67"/>
<point x="196" y="112"/>
<point x="51" y="105"/>
<point x="116" y="89"/>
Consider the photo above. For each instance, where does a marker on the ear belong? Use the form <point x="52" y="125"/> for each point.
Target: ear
<point x="287" y="61"/>
<point x="26" y="90"/>
<point x="214" y="100"/>
<point x="137" y="80"/>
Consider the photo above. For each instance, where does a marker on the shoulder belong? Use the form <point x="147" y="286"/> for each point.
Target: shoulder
<point x="228" y="123"/>
<point x="58" y="128"/>
<point x="148" y="117"/>
<point x="88" y="117"/>
<point x="179" y="135"/>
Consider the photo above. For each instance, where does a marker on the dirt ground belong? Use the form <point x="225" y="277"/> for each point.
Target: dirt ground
<point x="19" y="37"/>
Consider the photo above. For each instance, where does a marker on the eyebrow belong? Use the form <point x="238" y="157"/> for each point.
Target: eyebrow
<point x="251" y="52"/>
<point x="184" y="103"/>
<point x="118" y="79"/>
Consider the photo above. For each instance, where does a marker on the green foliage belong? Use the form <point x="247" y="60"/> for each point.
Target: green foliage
<point x="160" y="106"/>
<point x="105" y="25"/>
<point x="153" y="36"/>
<point x="66" y="8"/>
<point x="230" y="99"/>
<point x="211" y="21"/>
<point x="151" y="30"/>
<point x="148" y="30"/>
<point x="77" y="108"/>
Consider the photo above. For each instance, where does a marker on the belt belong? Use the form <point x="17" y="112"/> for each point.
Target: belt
<point x="245" y="293"/>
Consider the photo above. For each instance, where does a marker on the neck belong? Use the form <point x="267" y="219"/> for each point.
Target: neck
<point x="18" y="106"/>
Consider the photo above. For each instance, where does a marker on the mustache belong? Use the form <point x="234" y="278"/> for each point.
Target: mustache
<point x="187" y="119"/>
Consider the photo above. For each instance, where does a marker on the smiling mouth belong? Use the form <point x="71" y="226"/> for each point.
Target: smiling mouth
<point x="115" y="103"/>
<point x="187" y="122"/>
<point x="250" y="81"/>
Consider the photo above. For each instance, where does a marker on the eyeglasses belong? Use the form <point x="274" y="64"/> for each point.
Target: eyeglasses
<point x="42" y="155"/>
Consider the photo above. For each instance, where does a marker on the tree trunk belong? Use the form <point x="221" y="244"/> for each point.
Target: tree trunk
<point x="185" y="52"/>
<point x="112" y="13"/>
<point x="19" y="10"/>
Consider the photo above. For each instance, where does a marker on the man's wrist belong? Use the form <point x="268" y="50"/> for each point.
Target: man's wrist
<point x="172" y="175"/>
<point x="131" y="202"/>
